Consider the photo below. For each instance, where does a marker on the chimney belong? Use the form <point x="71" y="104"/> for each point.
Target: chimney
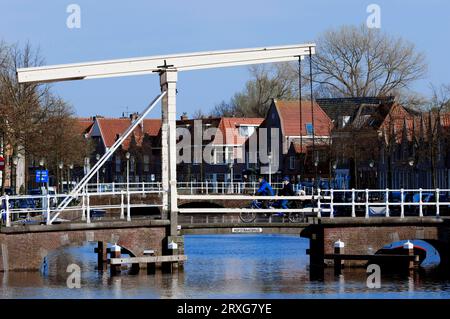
<point x="184" y="117"/>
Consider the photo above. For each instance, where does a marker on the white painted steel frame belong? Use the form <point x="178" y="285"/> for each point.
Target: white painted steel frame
<point x="104" y="158"/>
<point x="148" y="65"/>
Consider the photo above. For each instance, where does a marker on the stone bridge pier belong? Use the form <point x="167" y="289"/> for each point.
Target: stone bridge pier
<point x="23" y="248"/>
<point x="365" y="236"/>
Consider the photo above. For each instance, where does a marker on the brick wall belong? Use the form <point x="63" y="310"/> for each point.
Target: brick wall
<point x="26" y="251"/>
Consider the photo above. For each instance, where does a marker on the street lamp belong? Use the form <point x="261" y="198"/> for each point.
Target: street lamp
<point x="41" y="164"/>
<point x="371" y="165"/>
<point x="127" y="156"/>
<point x="97" y="157"/>
<point x="14" y="177"/>
<point x="69" y="181"/>
<point x="411" y="164"/>
<point x="61" y="174"/>
<point x="230" y="165"/>
<point x="270" y="167"/>
<point x="334" y="167"/>
<point x="103" y="173"/>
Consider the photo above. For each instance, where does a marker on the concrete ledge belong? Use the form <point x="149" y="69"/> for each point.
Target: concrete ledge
<point x="84" y="226"/>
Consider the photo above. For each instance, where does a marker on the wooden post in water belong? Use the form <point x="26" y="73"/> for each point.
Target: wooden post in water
<point x="100" y="250"/>
<point x="409" y="250"/>
<point x="338" y="262"/>
<point x="115" y="252"/>
<point x="151" y="267"/>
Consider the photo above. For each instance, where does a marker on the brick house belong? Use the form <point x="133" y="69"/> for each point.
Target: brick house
<point x="355" y="146"/>
<point x="415" y="150"/>
<point x="228" y="156"/>
<point x="304" y="137"/>
<point x="143" y="145"/>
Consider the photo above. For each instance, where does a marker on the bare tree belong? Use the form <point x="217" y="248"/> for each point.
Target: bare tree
<point x="358" y="61"/>
<point x="34" y="123"/>
<point x="20" y="104"/>
<point x="277" y="81"/>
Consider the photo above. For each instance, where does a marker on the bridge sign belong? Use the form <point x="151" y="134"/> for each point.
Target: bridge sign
<point x="42" y="176"/>
<point x="247" y="230"/>
<point x="2" y="163"/>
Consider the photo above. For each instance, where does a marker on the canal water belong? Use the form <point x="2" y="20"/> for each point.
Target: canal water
<point x="219" y="266"/>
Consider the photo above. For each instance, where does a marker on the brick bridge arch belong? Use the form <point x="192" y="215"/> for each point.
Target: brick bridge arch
<point x="25" y="247"/>
<point x="365" y="236"/>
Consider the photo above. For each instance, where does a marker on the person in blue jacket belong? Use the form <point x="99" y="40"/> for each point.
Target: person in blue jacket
<point x="264" y="188"/>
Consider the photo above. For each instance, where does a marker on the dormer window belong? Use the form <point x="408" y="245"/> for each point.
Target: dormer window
<point x="246" y="130"/>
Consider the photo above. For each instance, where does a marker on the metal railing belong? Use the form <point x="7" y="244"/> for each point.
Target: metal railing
<point x="192" y="188"/>
<point x="38" y="209"/>
<point x="385" y="202"/>
<point x="356" y="203"/>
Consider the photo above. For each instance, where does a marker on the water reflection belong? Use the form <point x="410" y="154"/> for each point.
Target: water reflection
<point x="231" y="266"/>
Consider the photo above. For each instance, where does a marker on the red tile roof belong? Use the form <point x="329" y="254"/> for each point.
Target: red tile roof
<point x="84" y="125"/>
<point x="110" y="128"/>
<point x="290" y="118"/>
<point x="229" y="126"/>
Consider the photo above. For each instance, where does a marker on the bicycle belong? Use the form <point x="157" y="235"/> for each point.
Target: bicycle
<point x="248" y="216"/>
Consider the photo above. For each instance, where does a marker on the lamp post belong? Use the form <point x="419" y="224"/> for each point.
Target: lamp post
<point x="14" y="177"/>
<point x="127" y="156"/>
<point x="230" y="165"/>
<point x="411" y="164"/>
<point x="97" y="157"/>
<point x="270" y="167"/>
<point x="61" y="174"/>
<point x="41" y="164"/>
<point x="371" y="165"/>
<point x="334" y="167"/>
<point x="69" y="181"/>
<point x="316" y="164"/>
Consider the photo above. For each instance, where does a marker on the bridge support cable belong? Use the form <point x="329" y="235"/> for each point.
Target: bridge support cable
<point x="79" y="187"/>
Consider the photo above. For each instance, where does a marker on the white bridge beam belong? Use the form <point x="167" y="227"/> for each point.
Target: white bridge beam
<point x="167" y="67"/>
<point x="148" y="65"/>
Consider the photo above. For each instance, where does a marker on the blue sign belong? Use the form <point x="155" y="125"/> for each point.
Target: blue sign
<point x="42" y="176"/>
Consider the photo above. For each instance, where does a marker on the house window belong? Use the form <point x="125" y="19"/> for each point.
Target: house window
<point x="309" y="129"/>
<point x="118" y="164"/>
<point x="246" y="131"/>
<point x="292" y="162"/>
<point x="146" y="163"/>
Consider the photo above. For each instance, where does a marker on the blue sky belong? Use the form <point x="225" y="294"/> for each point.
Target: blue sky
<point x="121" y="29"/>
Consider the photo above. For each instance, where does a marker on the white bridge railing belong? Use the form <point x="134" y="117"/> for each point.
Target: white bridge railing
<point x="38" y="209"/>
<point x="192" y="188"/>
<point x="118" y="202"/>
<point x="385" y="202"/>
